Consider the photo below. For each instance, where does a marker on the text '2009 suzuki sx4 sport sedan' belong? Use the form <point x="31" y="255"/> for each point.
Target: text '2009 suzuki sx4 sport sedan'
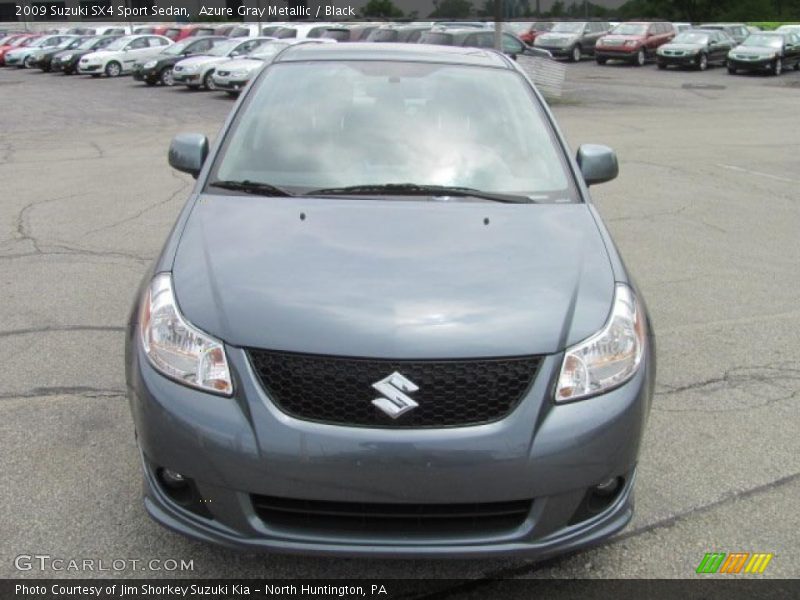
<point x="389" y="321"/>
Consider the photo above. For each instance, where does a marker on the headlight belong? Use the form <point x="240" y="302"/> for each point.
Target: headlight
<point x="175" y="347"/>
<point x="66" y="57"/>
<point x="631" y="43"/>
<point x="150" y="64"/>
<point x="609" y="357"/>
<point x="235" y="74"/>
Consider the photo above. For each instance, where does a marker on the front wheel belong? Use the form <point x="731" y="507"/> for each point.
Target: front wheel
<point x="28" y="62"/>
<point x="601" y="61"/>
<point x="575" y="55"/>
<point x="731" y="70"/>
<point x="113" y="69"/>
<point x="640" y="58"/>
<point x="777" y="67"/>
<point x="208" y="81"/>
<point x="702" y="62"/>
<point x="165" y="77"/>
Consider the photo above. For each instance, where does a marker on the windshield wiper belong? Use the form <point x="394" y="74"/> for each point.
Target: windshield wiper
<point x="413" y="189"/>
<point x="250" y="187"/>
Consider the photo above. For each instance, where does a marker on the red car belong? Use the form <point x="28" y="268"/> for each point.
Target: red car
<point x="634" y="42"/>
<point x="528" y="30"/>
<point x="15" y="41"/>
<point x="179" y="32"/>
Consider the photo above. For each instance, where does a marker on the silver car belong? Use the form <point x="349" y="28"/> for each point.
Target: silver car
<point x="197" y="71"/>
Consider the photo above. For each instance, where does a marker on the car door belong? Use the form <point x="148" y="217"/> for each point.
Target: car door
<point x="719" y="46"/>
<point x="155" y="45"/>
<point x="132" y="52"/>
<point x="791" y="52"/>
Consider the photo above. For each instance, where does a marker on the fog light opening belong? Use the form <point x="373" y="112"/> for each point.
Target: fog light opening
<point x="183" y="491"/>
<point x="172" y="479"/>
<point x="597" y="499"/>
<point x="608" y="488"/>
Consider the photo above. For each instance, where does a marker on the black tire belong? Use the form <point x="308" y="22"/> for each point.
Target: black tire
<point x="149" y="83"/>
<point x="28" y="62"/>
<point x="165" y="77"/>
<point x="208" y="81"/>
<point x="662" y="66"/>
<point x="95" y="75"/>
<point x="232" y="94"/>
<point x="576" y="53"/>
<point x="777" y="67"/>
<point x="113" y="69"/>
<point x="731" y="70"/>
<point x="797" y="66"/>
<point x="601" y="61"/>
<point x="641" y="58"/>
<point x="702" y="62"/>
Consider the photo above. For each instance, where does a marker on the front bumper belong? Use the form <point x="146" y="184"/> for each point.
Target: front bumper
<point x="751" y="65"/>
<point x="86" y="68"/>
<point x="186" y="78"/>
<point x="683" y="60"/>
<point x="557" y="51"/>
<point x="13" y="61"/>
<point x="235" y="447"/>
<point x="150" y="75"/>
<point x="617" y="53"/>
<point x="231" y="85"/>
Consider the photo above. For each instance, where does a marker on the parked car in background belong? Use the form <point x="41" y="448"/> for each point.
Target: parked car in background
<point x="475" y="38"/>
<point x="12" y="41"/>
<point x="355" y="32"/>
<point x="197" y="71"/>
<point x="158" y="68"/>
<point x="481" y="384"/>
<point x="300" y="31"/>
<point x="738" y="31"/>
<point x="678" y="27"/>
<point x="244" y="30"/>
<point x="696" y="48"/>
<point x="529" y="31"/>
<point x="790" y="28"/>
<point x="22" y="56"/>
<point x="120" y="55"/>
<point x="232" y="76"/>
<point x="225" y="30"/>
<point x="398" y="33"/>
<point x="179" y="32"/>
<point x="154" y="29"/>
<point x="766" y="51"/>
<point x="66" y="61"/>
<point x="634" y="42"/>
<point x="461" y="25"/>
<point x="572" y="39"/>
<point x="43" y="59"/>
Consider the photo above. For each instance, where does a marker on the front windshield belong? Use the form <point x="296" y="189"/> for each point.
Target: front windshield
<point x="39" y="42"/>
<point x="392" y="123"/>
<point x="629" y="29"/>
<point x="178" y="48"/>
<point x="118" y="44"/>
<point x="69" y="43"/>
<point x="266" y="51"/>
<point x="568" y="27"/>
<point x="764" y="41"/>
<point x="691" y="38"/>
<point x="223" y="48"/>
<point x="89" y="44"/>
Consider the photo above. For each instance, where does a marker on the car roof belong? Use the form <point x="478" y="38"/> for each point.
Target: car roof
<point x="455" y="55"/>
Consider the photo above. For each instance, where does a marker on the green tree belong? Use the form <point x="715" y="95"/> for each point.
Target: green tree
<point x="451" y="9"/>
<point x="384" y="9"/>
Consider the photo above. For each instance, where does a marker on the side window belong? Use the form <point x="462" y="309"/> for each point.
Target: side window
<point x="158" y="42"/>
<point x="511" y="45"/>
<point x="414" y="37"/>
<point x="137" y="44"/>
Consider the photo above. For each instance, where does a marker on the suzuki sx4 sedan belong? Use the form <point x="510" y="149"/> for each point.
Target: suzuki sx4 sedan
<point x="389" y="321"/>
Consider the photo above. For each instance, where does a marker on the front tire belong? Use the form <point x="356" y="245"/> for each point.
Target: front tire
<point x="601" y="61"/>
<point x="208" y="81"/>
<point x="576" y="54"/>
<point x="731" y="70"/>
<point x="777" y="67"/>
<point x="640" y="58"/>
<point x="702" y="62"/>
<point x="113" y="69"/>
<point x="28" y="62"/>
<point x="165" y="77"/>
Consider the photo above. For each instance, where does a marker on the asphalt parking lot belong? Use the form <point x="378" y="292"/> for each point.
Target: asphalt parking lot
<point x="706" y="211"/>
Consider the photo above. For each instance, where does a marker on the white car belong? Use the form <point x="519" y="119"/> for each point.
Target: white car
<point x="120" y="55"/>
<point x="233" y="75"/>
<point x="197" y="71"/>
<point x="301" y="30"/>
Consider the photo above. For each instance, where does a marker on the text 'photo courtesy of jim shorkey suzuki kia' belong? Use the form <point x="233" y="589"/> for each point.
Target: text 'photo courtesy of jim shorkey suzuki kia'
<point x="412" y="336"/>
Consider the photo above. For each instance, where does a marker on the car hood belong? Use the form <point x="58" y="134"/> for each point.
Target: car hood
<point x="240" y="64"/>
<point x="684" y="46"/>
<point x="393" y="278"/>
<point x="756" y="50"/>
<point x="556" y="37"/>
<point x="201" y="60"/>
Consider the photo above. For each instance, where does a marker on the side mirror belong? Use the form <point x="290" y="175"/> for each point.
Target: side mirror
<point x="598" y="163"/>
<point x="188" y="152"/>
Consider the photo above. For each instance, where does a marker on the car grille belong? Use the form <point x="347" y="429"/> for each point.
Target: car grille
<point x="339" y="390"/>
<point x="613" y="42"/>
<point x="673" y="52"/>
<point x="462" y="520"/>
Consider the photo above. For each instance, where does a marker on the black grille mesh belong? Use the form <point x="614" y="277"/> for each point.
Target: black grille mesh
<point x="339" y="390"/>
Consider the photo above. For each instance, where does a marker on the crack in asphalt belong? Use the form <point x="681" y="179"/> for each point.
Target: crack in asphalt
<point x="80" y="390"/>
<point x="491" y="577"/>
<point x="59" y="329"/>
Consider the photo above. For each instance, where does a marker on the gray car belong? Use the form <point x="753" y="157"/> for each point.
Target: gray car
<point x="572" y="39"/>
<point x="389" y="321"/>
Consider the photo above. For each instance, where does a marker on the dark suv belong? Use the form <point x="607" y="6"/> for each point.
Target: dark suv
<point x="572" y="39"/>
<point x="634" y="42"/>
<point x="512" y="45"/>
